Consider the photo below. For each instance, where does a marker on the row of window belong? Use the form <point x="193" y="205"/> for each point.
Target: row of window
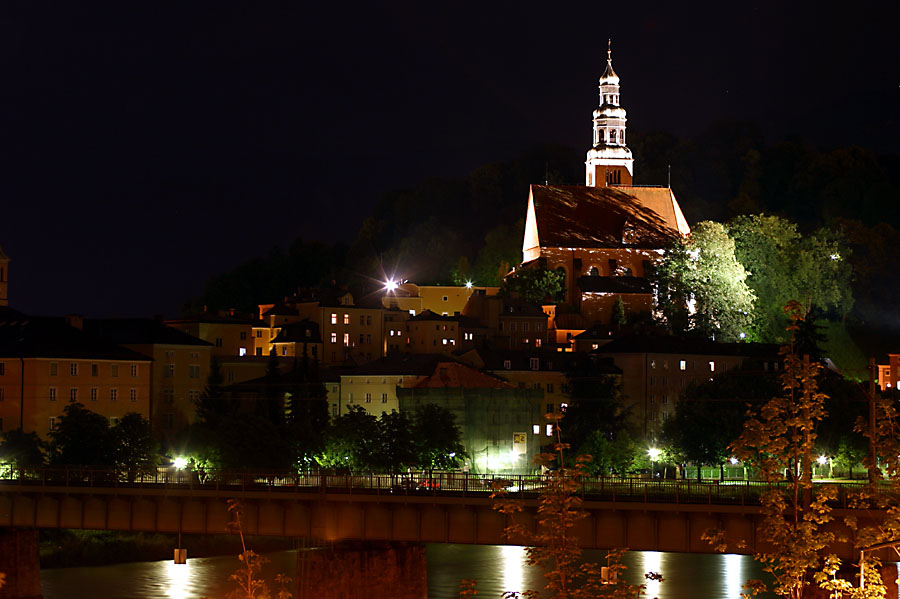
<point x="512" y="327"/>
<point x="193" y="371"/>
<point x="74" y="369"/>
<point x="364" y="320"/>
<point x="94" y="394"/>
<point x="384" y="397"/>
<point x="683" y="365"/>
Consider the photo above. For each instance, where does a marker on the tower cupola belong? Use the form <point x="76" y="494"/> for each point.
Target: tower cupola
<point x="609" y="161"/>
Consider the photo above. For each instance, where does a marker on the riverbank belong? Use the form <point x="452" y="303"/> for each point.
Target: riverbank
<point x="77" y="548"/>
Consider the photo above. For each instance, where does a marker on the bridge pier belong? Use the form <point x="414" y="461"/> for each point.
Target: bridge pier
<point x="20" y="562"/>
<point x="364" y="570"/>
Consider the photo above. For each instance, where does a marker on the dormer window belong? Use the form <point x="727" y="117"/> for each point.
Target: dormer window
<point x="628" y="233"/>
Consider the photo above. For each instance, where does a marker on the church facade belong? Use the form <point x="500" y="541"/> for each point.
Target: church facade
<point x="605" y="235"/>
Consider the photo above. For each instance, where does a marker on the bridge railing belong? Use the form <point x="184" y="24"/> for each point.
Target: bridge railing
<point x="609" y="489"/>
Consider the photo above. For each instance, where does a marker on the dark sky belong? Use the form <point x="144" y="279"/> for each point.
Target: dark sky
<point x="146" y="149"/>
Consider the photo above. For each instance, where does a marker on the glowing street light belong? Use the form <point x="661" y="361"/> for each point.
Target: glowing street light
<point x="468" y="284"/>
<point x="180" y="463"/>
<point x="822" y="460"/>
<point x="390" y="285"/>
<point x="654" y="453"/>
<point x="733" y="461"/>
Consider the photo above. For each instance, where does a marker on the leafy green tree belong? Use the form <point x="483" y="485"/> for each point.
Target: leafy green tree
<point x="595" y="406"/>
<point x="709" y="416"/>
<point x="135" y="451"/>
<point x="81" y="437"/>
<point x="502" y="245"/>
<point x="23" y="450"/>
<point x="307" y="410"/>
<point x="351" y="441"/>
<point x="395" y="445"/>
<point x="536" y="285"/>
<point x="438" y="439"/>
<point x="783" y="265"/>
<point x="618" y="456"/>
<point x="619" y="315"/>
<point x="700" y="286"/>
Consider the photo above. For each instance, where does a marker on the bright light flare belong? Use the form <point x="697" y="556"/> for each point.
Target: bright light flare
<point x="390" y="285"/>
<point x="654" y="453"/>
<point x="468" y="284"/>
<point x="822" y="460"/>
<point x="733" y="461"/>
<point x="180" y="463"/>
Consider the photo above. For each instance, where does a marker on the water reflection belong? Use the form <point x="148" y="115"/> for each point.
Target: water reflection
<point x="496" y="570"/>
<point x="649" y="561"/>
<point x="178" y="579"/>
<point x="513" y="565"/>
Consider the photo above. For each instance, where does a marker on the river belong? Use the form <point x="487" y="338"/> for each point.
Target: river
<point x="496" y="568"/>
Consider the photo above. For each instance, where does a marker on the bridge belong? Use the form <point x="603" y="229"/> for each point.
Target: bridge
<point x="641" y="514"/>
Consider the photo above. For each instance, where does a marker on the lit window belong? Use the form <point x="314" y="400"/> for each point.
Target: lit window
<point x="712" y="366"/>
<point x="653" y="364"/>
<point x="334" y="337"/>
<point x="333" y="318"/>
<point x="536" y="429"/>
<point x="242" y="351"/>
<point x="549" y="431"/>
<point x="595" y="346"/>
<point x="346" y="319"/>
<point x="346" y="339"/>
<point x="444" y="341"/>
<point x="682" y="365"/>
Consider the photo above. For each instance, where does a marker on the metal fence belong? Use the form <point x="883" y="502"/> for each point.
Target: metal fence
<point x="445" y="484"/>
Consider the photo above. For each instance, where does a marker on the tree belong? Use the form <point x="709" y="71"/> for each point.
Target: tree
<point x="783" y="265"/>
<point x="553" y="546"/>
<point x="536" y="285"/>
<point x="350" y="441"/>
<point x="135" y="450"/>
<point x="710" y="416"/>
<point x="595" y="406"/>
<point x="619" y="455"/>
<point x="780" y="439"/>
<point x="22" y="450"/>
<point x="619" y="316"/>
<point x="395" y="444"/>
<point x="502" y="245"/>
<point x="437" y="438"/>
<point x="81" y="437"/>
<point x="700" y="286"/>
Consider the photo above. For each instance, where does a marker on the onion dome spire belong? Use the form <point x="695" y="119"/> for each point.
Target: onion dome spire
<point x="609" y="160"/>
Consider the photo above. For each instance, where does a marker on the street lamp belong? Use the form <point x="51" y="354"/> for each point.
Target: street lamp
<point x="390" y="285"/>
<point x="654" y="453"/>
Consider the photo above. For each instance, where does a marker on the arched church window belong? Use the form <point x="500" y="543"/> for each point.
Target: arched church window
<point x="612" y="136"/>
<point x="593" y="272"/>
<point x="622" y="135"/>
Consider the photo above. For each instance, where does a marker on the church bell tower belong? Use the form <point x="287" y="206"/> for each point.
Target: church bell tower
<point x="609" y="161"/>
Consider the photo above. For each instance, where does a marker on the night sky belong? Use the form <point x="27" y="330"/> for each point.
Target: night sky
<point x="146" y="150"/>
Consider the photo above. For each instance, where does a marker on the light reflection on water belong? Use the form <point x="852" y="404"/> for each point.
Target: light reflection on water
<point x="496" y="569"/>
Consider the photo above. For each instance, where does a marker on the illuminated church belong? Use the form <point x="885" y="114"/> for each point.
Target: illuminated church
<point x="604" y="235"/>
